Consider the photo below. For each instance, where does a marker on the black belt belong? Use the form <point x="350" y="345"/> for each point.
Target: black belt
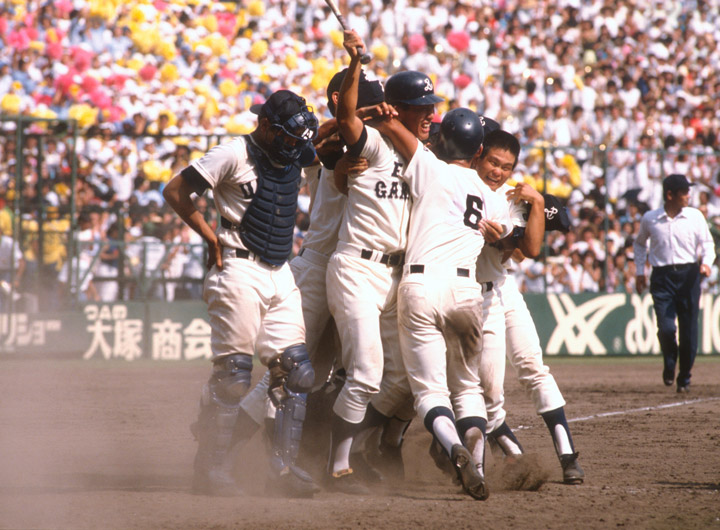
<point x="419" y="269"/>
<point x="226" y="223"/>
<point x="677" y="267"/>
<point x="487" y="286"/>
<point x="391" y="260"/>
<point x="244" y="254"/>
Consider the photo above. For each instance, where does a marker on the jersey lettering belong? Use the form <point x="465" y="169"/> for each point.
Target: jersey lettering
<point x="247" y="190"/>
<point x="393" y="191"/>
<point x="396" y="169"/>
<point x="473" y="211"/>
<point x="398" y="190"/>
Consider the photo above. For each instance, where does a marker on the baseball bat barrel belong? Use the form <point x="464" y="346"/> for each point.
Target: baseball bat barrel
<point x="365" y="58"/>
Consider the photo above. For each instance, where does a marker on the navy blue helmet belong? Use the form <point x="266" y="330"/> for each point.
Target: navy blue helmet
<point x="461" y="135"/>
<point x="411" y="88"/>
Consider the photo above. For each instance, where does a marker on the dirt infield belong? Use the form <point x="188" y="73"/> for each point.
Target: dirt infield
<point x="107" y="445"/>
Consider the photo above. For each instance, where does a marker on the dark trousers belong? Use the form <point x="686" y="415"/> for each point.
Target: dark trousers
<point x="676" y="293"/>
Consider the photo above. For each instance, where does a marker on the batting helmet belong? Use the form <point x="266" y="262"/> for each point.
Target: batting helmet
<point x="410" y="88"/>
<point x="461" y="135"/>
<point x="489" y="124"/>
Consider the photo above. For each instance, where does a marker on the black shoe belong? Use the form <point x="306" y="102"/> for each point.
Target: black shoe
<point x="364" y="471"/>
<point x="215" y="484"/>
<point x="292" y="482"/>
<point x="346" y="482"/>
<point x="390" y="463"/>
<point x="473" y="482"/>
<point x="437" y="453"/>
<point x="683" y="389"/>
<point x="572" y="472"/>
<point x="668" y="378"/>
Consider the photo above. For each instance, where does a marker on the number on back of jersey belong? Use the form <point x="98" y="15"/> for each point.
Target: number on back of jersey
<point x="473" y="211"/>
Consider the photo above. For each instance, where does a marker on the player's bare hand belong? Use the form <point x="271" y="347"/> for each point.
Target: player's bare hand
<point x="524" y="192"/>
<point x="214" y="254"/>
<point x="327" y="129"/>
<point x="491" y="230"/>
<point x="640" y="283"/>
<point x="353" y="43"/>
<point x="381" y="110"/>
<point x="351" y="165"/>
<point x="329" y="145"/>
<point x="705" y="270"/>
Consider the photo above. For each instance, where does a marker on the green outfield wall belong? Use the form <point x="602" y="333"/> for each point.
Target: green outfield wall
<point x="568" y="325"/>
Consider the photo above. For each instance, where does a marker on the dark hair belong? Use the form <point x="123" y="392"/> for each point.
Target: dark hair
<point x="499" y="139"/>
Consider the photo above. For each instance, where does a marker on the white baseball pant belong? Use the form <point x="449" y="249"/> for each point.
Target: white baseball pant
<point x="362" y="296"/>
<point x="438" y="377"/>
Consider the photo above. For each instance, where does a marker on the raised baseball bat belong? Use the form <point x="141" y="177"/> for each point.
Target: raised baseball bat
<point x="366" y="57"/>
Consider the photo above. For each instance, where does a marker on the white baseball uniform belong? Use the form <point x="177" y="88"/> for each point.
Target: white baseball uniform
<point x="510" y="331"/>
<point x="309" y="270"/>
<point x="362" y="279"/>
<point x="253" y="307"/>
<point x="439" y="277"/>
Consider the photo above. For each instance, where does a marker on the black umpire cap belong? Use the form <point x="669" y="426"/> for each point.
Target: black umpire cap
<point x="676" y="182"/>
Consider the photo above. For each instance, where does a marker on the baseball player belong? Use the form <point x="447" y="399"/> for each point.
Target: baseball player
<point x="509" y="328"/>
<point x="309" y="266"/>
<point x="450" y="207"/>
<point x="365" y="269"/>
<point x="253" y="303"/>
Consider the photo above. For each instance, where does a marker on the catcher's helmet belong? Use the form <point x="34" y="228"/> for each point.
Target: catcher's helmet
<point x="288" y="112"/>
<point x="411" y="88"/>
<point x="461" y="135"/>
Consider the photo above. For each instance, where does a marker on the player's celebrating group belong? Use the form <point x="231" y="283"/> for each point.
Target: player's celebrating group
<point x="413" y="232"/>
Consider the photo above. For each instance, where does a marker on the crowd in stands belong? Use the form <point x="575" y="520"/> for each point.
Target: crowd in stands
<point x="606" y="97"/>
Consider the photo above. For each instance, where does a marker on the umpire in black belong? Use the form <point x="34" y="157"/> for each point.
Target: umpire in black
<point x="681" y="252"/>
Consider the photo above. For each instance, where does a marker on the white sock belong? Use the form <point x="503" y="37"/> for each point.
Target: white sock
<point x="446" y="433"/>
<point x="475" y="441"/>
<point x="342" y="455"/>
<point x="562" y="442"/>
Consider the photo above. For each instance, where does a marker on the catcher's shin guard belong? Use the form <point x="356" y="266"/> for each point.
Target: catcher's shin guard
<point x="219" y="406"/>
<point x="292" y="376"/>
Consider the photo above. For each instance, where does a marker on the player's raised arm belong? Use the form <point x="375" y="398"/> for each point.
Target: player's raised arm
<point x="350" y="125"/>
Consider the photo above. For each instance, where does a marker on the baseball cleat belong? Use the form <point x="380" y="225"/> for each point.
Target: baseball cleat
<point x="437" y="453"/>
<point x="390" y="462"/>
<point x="683" y="389"/>
<point x="472" y="481"/>
<point x="364" y="470"/>
<point x="572" y="472"/>
<point x="293" y="482"/>
<point x="347" y="482"/>
<point x="215" y="484"/>
<point x="668" y="378"/>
